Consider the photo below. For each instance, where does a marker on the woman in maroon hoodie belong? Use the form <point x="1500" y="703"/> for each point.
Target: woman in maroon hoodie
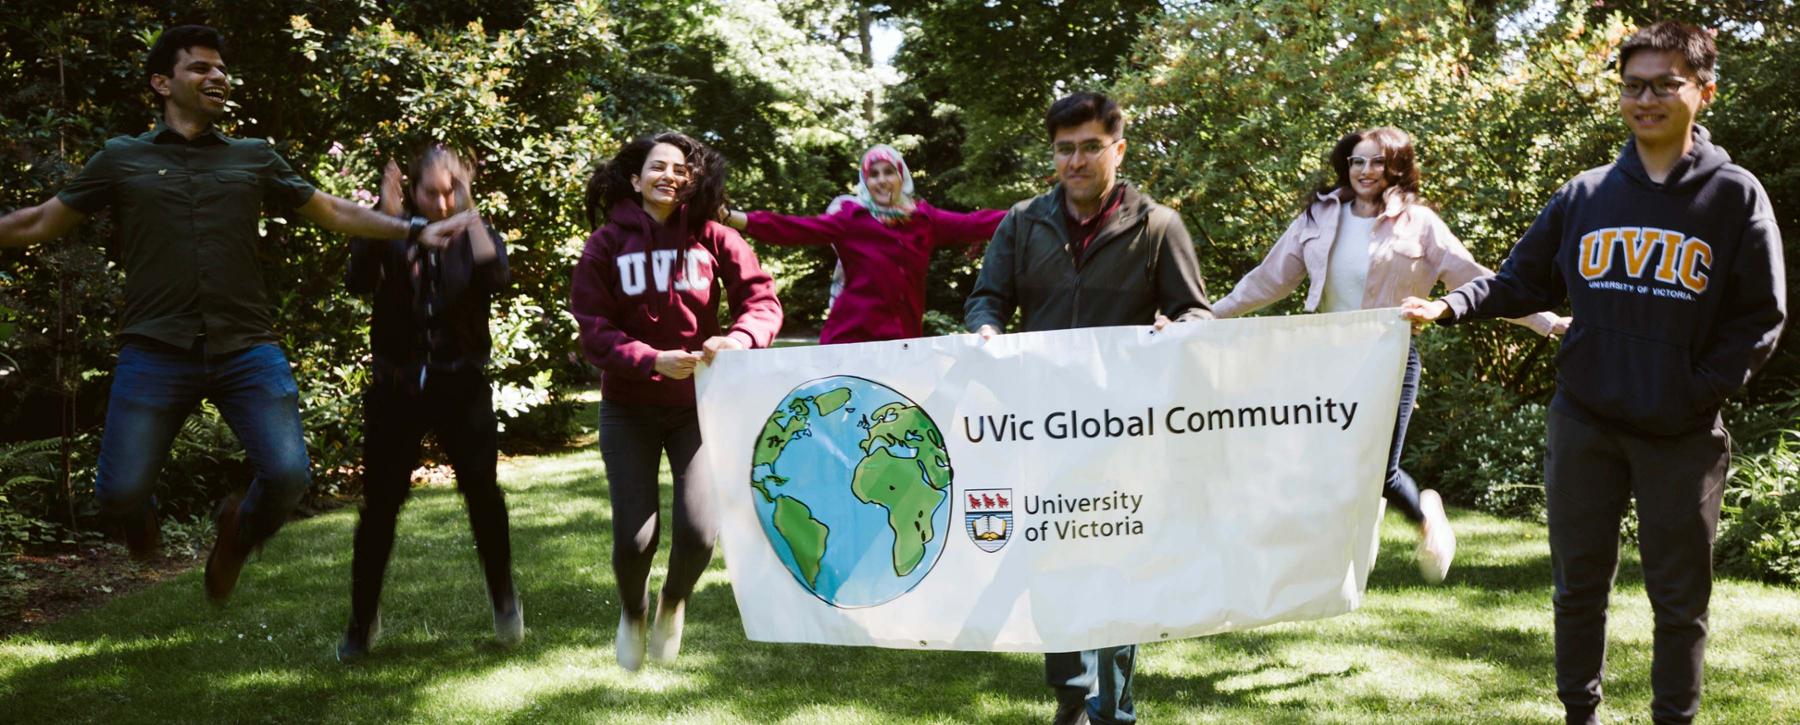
<point x="883" y="238"/>
<point x="646" y="296"/>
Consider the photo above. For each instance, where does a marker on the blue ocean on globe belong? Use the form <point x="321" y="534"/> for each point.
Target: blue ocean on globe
<point x="811" y="458"/>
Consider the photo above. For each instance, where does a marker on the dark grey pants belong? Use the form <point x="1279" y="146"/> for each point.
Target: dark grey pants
<point x="633" y="441"/>
<point x="1591" y="474"/>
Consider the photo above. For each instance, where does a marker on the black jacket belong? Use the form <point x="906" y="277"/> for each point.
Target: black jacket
<point x="406" y="334"/>
<point x="1677" y="288"/>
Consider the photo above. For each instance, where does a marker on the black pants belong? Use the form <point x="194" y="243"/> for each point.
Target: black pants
<point x="459" y="409"/>
<point x="1591" y="473"/>
<point x="633" y="441"/>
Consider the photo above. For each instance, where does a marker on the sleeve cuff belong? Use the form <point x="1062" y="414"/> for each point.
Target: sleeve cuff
<point x="1459" y="307"/>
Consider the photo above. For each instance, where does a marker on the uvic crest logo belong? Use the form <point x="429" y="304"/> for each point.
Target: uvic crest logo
<point x="987" y="514"/>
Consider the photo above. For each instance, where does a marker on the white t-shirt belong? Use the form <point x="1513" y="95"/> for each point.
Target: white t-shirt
<point x="1348" y="271"/>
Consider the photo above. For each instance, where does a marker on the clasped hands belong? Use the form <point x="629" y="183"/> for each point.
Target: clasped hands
<point x="435" y="235"/>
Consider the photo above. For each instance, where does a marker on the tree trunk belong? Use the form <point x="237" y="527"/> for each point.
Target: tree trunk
<point x="865" y="23"/>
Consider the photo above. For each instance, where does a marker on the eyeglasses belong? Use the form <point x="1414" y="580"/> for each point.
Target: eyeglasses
<point x="1633" y="88"/>
<point x="1358" y="163"/>
<point x="1089" y="148"/>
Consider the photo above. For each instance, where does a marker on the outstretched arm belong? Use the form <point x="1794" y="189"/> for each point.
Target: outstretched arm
<point x="40" y="223"/>
<point x="787" y="230"/>
<point x="347" y="217"/>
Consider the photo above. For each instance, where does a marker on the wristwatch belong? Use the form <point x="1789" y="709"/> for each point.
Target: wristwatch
<point x="415" y="228"/>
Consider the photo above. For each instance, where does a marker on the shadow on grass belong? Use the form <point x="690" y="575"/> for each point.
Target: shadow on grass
<point x="1415" y="652"/>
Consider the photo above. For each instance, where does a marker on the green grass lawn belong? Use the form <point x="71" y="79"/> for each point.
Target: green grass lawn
<point x="1476" y="649"/>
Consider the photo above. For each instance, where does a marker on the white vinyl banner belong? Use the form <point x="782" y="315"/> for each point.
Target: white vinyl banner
<point x="1053" y="491"/>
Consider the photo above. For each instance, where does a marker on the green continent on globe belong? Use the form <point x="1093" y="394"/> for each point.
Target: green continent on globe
<point x="804" y="534"/>
<point x="777" y="433"/>
<point x="898" y="484"/>
<point x="907" y="425"/>
<point x="909" y="488"/>
<point x="829" y="402"/>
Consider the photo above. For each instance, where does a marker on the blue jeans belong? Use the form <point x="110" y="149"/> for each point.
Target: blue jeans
<point x="155" y="390"/>
<point x="1398" y="487"/>
<point x="1098" y="678"/>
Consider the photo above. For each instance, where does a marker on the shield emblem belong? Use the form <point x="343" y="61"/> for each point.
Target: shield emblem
<point x="987" y="514"/>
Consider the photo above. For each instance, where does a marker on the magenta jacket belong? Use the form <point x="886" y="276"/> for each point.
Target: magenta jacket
<point x="884" y="267"/>
<point x="641" y="288"/>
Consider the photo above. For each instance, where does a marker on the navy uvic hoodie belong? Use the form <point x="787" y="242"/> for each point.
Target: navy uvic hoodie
<point x="1677" y="289"/>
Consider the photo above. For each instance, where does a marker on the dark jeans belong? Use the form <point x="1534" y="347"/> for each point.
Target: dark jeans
<point x="633" y="441"/>
<point x="1591" y="474"/>
<point x="1100" y="678"/>
<point x="458" y="409"/>
<point x="154" y="390"/>
<point x="1398" y="487"/>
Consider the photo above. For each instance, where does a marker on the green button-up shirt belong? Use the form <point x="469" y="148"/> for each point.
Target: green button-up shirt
<point x="187" y="213"/>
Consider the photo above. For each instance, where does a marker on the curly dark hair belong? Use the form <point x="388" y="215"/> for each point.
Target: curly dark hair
<point x="1402" y="172"/>
<point x="700" y="198"/>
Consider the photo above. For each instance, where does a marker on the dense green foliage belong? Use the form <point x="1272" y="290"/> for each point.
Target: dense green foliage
<point x="1233" y="106"/>
<point x="539" y="91"/>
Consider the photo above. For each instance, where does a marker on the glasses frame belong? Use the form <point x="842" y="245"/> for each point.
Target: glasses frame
<point x="1359" y="162"/>
<point x="1085" y="153"/>
<point x="1658" y="87"/>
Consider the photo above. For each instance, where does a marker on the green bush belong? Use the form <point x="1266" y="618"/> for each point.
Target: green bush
<point x="1759" y="530"/>
<point x="30" y="475"/>
<point x="1479" y="446"/>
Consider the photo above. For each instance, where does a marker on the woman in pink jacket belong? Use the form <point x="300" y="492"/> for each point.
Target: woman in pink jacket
<point x="1367" y="241"/>
<point x="883" y="238"/>
<point x="646" y="296"/>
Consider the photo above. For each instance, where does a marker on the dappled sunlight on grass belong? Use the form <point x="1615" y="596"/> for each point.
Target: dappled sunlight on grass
<point x="1476" y="648"/>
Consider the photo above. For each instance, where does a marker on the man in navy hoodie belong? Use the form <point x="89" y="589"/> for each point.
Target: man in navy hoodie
<point x="1671" y="262"/>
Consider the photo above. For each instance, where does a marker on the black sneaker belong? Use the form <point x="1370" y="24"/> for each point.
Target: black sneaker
<point x="1071" y="714"/>
<point x="358" y="640"/>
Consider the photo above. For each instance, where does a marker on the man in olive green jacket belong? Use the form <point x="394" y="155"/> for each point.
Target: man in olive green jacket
<point x="1092" y="252"/>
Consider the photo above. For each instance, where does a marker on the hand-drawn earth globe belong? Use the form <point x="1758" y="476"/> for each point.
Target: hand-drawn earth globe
<point x="852" y="484"/>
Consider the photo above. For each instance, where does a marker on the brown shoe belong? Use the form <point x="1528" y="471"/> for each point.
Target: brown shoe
<point x="228" y="554"/>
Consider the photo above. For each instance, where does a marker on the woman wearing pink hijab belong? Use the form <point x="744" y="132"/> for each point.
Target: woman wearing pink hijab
<point x="883" y="238"/>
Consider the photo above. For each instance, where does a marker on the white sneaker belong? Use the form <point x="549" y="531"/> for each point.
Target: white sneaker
<point x="1437" y="543"/>
<point x="509" y="621"/>
<point x="630" y="643"/>
<point x="665" y="634"/>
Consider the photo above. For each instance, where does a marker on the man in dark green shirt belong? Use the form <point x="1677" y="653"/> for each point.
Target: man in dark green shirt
<point x="198" y="322"/>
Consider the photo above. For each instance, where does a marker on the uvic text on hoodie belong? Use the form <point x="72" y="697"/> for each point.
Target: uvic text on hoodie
<point x="641" y="287"/>
<point x="1677" y="289"/>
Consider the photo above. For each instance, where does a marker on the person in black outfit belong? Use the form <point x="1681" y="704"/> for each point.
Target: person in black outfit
<point x="430" y="343"/>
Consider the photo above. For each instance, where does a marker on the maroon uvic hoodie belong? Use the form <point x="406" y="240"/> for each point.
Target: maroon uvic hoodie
<point x="642" y="287"/>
